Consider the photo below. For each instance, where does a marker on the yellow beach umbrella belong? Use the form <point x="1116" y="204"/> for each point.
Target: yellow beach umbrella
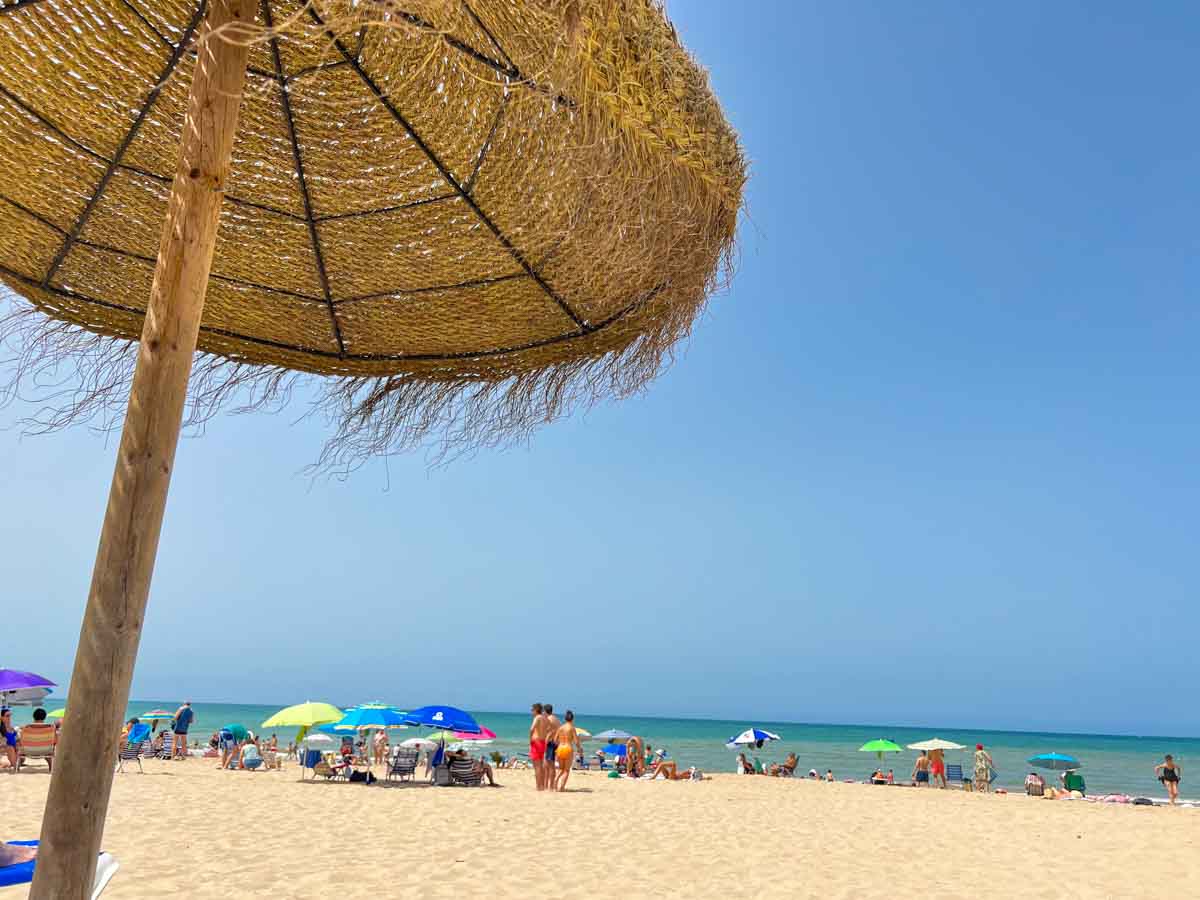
<point x="304" y="715"/>
<point x="57" y="714"/>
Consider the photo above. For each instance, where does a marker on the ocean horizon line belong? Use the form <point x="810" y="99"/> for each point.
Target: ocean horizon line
<point x="55" y="701"/>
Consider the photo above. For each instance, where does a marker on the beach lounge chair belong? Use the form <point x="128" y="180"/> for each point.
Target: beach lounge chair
<point x="37" y="742"/>
<point x="22" y="873"/>
<point x="1073" y="781"/>
<point x="168" y="745"/>
<point x="133" y="747"/>
<point x="954" y="774"/>
<point x="331" y="772"/>
<point x="463" y="771"/>
<point x="403" y="764"/>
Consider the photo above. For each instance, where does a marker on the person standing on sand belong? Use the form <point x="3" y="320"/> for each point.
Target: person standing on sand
<point x="983" y="769"/>
<point x="566" y="742"/>
<point x="538" y="729"/>
<point x="1169" y="772"/>
<point x="920" y="772"/>
<point x="553" y="724"/>
<point x="937" y="767"/>
<point x="183" y="721"/>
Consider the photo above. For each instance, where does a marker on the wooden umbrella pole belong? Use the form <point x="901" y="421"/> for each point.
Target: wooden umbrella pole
<point x="73" y="823"/>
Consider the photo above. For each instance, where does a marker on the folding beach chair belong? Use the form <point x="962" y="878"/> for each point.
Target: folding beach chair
<point x="403" y="764"/>
<point x="954" y="774"/>
<point x="168" y="746"/>
<point x="37" y="742"/>
<point x="463" y="771"/>
<point x="134" y="746"/>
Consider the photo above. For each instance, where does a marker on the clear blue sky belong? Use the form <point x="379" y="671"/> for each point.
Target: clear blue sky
<point x="931" y="460"/>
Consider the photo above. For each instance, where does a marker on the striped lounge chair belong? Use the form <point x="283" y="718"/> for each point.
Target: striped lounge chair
<point x="463" y="771"/>
<point x="37" y="742"/>
<point x="134" y="747"/>
<point x="403" y="765"/>
<point x="168" y="745"/>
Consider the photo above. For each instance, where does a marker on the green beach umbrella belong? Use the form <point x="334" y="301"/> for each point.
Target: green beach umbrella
<point x="57" y="714"/>
<point x="879" y="747"/>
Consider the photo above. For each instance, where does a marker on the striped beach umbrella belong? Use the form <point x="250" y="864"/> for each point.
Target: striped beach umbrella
<point x="755" y="737"/>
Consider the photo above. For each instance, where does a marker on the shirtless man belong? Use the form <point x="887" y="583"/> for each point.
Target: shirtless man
<point x="920" y="772"/>
<point x="551" y="744"/>
<point x="937" y="767"/>
<point x="539" y="730"/>
<point x="566" y="742"/>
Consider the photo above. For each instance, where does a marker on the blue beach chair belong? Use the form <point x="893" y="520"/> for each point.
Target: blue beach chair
<point x="22" y="873"/>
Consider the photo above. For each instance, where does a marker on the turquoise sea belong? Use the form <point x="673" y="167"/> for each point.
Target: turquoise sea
<point x="1110" y="763"/>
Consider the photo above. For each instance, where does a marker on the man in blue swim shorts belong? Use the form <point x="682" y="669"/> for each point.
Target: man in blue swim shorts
<point x="183" y="721"/>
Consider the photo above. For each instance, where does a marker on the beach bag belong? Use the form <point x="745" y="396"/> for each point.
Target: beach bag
<point x="364" y="777"/>
<point x="1142" y="801"/>
<point x="441" y="776"/>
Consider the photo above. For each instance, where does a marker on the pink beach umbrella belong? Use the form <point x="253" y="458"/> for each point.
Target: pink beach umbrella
<point x="485" y="734"/>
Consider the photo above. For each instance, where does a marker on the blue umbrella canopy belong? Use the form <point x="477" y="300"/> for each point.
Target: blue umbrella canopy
<point x="615" y="749"/>
<point x="449" y="718"/>
<point x="613" y="734"/>
<point x="368" y="717"/>
<point x="755" y="736"/>
<point x="1059" y="762"/>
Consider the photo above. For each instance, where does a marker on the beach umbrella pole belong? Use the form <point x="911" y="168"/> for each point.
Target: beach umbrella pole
<point x="73" y="823"/>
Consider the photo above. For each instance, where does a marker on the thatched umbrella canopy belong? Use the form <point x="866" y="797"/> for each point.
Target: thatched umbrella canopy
<point x="463" y="220"/>
<point x="457" y="217"/>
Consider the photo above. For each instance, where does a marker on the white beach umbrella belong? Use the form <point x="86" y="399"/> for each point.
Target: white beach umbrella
<point x="316" y="740"/>
<point x="419" y="743"/>
<point x="936" y="744"/>
<point x="751" y="737"/>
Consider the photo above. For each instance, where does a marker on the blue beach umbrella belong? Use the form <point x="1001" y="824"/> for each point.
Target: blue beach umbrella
<point x="613" y="734"/>
<point x="1059" y="762"/>
<point x="368" y="717"/>
<point x="448" y="718"/>
<point x="751" y="736"/>
<point x="615" y="749"/>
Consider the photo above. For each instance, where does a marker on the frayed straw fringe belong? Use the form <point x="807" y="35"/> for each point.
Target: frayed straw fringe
<point x="587" y="134"/>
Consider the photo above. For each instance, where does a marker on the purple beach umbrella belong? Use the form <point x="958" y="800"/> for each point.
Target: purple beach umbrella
<point x="14" y="680"/>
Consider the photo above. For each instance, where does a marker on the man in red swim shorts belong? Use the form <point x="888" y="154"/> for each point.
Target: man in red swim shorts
<point x="538" y="734"/>
<point x="937" y="766"/>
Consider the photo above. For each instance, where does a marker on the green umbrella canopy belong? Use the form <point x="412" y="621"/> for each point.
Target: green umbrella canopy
<point x="880" y="746"/>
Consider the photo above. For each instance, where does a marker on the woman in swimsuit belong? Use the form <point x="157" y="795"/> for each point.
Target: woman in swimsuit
<point x="1169" y="773"/>
<point x="8" y="735"/>
<point x="566" y="743"/>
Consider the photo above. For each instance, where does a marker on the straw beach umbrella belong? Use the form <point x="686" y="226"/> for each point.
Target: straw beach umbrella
<point x="456" y="221"/>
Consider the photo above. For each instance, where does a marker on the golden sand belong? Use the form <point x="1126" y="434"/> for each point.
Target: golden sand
<point x="266" y="834"/>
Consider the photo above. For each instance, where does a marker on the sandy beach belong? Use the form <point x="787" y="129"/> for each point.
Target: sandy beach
<point x="266" y="834"/>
